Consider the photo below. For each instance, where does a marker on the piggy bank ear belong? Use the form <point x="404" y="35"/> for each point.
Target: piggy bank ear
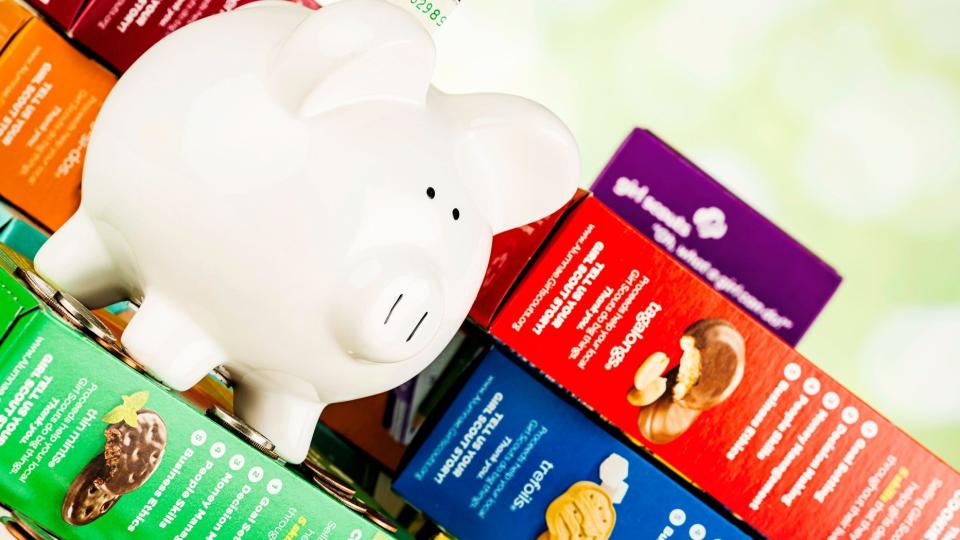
<point x="352" y="51"/>
<point x="521" y="161"/>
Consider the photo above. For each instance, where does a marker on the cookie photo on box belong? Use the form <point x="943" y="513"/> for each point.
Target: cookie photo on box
<point x="586" y="509"/>
<point x="710" y="370"/>
<point x="583" y="511"/>
<point x="136" y="439"/>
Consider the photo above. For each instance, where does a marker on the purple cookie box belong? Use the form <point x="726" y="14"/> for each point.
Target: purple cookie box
<point x="730" y="245"/>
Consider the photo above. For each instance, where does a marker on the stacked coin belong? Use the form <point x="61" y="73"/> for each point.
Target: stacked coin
<point x="343" y="492"/>
<point x="78" y="316"/>
<point x="20" y="528"/>
<point x="245" y="432"/>
<point x="69" y="308"/>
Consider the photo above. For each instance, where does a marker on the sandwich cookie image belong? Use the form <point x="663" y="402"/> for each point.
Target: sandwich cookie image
<point x="710" y="370"/>
<point x="136" y="439"/>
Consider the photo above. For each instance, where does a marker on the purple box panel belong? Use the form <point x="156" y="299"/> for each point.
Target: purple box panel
<point x="725" y="241"/>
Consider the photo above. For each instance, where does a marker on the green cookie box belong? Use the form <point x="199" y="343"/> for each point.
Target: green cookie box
<point x="60" y="392"/>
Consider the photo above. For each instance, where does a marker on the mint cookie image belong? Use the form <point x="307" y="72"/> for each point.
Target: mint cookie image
<point x="88" y="498"/>
<point x="136" y="439"/>
<point x="132" y="453"/>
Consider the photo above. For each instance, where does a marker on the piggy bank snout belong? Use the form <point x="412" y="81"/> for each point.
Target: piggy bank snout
<point x="390" y="309"/>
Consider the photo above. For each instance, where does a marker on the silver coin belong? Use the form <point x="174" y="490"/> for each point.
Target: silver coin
<point x="84" y="318"/>
<point x="222" y="376"/>
<point x="68" y="307"/>
<point x="29" y="530"/>
<point x="252" y="436"/>
<point x="122" y="355"/>
<point x="38" y="285"/>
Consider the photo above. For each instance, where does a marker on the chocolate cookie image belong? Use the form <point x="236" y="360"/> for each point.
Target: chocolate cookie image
<point x="88" y="497"/>
<point x="136" y="439"/>
<point x="584" y="512"/>
<point x="132" y="453"/>
<point x="664" y="420"/>
<point x="722" y="357"/>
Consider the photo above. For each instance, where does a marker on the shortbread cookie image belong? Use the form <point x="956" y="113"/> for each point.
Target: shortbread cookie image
<point x="584" y="512"/>
<point x="88" y="498"/>
<point x="720" y="352"/>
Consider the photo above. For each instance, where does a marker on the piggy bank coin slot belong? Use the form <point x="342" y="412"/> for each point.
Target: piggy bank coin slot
<point x="245" y="432"/>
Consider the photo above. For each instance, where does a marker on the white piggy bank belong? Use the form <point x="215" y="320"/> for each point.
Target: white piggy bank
<point x="285" y="193"/>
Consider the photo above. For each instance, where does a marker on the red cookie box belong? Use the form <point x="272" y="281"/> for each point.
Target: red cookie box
<point x="119" y="31"/>
<point x="49" y="97"/>
<point x="510" y="254"/>
<point x="781" y="443"/>
<point x="62" y="12"/>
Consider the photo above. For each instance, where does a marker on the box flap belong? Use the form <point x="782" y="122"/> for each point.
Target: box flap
<point x="15" y="298"/>
<point x="22" y="237"/>
<point x="511" y="253"/>
<point x="6" y="215"/>
<point x="12" y="18"/>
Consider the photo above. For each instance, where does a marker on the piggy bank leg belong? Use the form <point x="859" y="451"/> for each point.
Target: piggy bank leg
<point x="78" y="260"/>
<point x="282" y="408"/>
<point x="169" y="344"/>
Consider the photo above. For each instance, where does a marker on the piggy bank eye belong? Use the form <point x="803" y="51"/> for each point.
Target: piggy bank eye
<point x="456" y="214"/>
<point x="431" y="193"/>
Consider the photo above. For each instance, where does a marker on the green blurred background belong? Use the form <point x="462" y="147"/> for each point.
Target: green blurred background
<point x="838" y="120"/>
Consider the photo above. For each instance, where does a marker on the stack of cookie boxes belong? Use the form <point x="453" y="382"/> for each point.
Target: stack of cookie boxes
<point x="49" y="96"/>
<point x="512" y="458"/>
<point x="51" y="92"/>
<point x="92" y="448"/>
<point x="119" y="31"/>
<point x="670" y="339"/>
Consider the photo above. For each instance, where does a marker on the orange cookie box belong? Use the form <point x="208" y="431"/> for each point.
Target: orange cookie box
<point x="50" y="94"/>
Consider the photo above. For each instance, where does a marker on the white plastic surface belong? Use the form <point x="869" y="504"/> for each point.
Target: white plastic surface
<point x="259" y="180"/>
